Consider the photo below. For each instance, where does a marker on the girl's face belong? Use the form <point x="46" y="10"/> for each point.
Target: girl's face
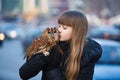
<point x="65" y="32"/>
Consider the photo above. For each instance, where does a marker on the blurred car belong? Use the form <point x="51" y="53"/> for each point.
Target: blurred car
<point x="105" y="33"/>
<point x="108" y="68"/>
<point x="11" y="31"/>
<point x="2" y="37"/>
<point x="117" y="26"/>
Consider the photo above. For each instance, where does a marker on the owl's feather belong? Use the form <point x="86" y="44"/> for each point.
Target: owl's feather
<point x="43" y="43"/>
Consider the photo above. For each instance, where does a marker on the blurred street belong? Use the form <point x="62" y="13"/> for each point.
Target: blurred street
<point x="21" y="21"/>
<point x="11" y="58"/>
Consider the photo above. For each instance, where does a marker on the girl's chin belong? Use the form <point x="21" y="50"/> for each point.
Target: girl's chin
<point x="62" y="40"/>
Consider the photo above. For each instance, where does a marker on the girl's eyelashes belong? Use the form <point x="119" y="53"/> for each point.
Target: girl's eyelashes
<point x="59" y="26"/>
<point x="62" y="26"/>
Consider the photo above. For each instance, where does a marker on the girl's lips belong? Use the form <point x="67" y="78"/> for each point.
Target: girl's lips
<point x="59" y="36"/>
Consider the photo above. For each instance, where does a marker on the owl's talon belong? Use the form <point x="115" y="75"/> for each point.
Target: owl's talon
<point x="46" y="53"/>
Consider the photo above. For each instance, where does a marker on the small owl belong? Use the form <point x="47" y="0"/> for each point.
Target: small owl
<point x="43" y="43"/>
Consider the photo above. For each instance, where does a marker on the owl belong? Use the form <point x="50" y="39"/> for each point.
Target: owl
<point x="43" y="43"/>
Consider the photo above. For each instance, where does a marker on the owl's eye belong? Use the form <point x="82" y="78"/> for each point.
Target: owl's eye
<point x="54" y="31"/>
<point x="49" y="32"/>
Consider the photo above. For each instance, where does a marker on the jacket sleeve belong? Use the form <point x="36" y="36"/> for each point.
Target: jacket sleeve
<point x="33" y="66"/>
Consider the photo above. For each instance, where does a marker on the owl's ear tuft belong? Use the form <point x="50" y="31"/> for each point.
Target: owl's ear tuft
<point x="54" y="27"/>
<point x="47" y="28"/>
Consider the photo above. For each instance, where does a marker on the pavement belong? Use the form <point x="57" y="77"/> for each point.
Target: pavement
<point x="11" y="59"/>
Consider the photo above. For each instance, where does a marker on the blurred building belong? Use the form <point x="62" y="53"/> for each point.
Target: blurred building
<point x="58" y="6"/>
<point x="29" y="10"/>
<point x="28" y="5"/>
<point x="52" y="8"/>
<point x="10" y="9"/>
<point x="76" y="5"/>
<point x="0" y="5"/>
<point x="44" y="7"/>
<point x="103" y="8"/>
<point x="10" y="6"/>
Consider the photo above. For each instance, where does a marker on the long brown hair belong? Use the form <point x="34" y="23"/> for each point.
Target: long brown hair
<point x="78" y="21"/>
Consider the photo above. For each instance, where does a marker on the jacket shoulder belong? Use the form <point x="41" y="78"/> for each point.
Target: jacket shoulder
<point x="92" y="51"/>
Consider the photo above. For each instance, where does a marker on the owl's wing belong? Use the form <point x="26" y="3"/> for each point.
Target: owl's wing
<point x="41" y="42"/>
<point x="37" y="45"/>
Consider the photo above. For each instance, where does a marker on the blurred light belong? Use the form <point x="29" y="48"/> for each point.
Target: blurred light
<point x="2" y="36"/>
<point x="13" y="34"/>
<point x="106" y="36"/>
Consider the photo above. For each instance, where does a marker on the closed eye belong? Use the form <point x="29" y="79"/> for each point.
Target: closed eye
<point x="63" y="27"/>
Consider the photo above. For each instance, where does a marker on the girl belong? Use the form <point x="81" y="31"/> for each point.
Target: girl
<point x="79" y="53"/>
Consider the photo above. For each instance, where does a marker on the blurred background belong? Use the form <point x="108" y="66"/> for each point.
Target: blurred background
<point x="21" y="21"/>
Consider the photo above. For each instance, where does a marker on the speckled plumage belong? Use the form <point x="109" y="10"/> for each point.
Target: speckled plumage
<point x="43" y="43"/>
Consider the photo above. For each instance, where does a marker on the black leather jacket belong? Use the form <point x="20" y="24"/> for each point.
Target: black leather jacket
<point x="50" y="65"/>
